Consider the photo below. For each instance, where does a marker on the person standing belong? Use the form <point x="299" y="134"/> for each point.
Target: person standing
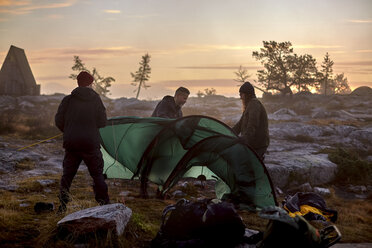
<point x="79" y="117"/>
<point x="253" y="124"/>
<point x="170" y="106"/>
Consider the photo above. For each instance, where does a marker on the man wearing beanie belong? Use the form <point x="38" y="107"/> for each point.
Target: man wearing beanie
<point x="79" y="117"/>
<point x="253" y="125"/>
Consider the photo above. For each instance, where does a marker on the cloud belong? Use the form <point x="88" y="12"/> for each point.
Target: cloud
<point x="199" y="83"/>
<point x="364" y="51"/>
<point x="219" y="67"/>
<point x="57" y="54"/>
<point x="361" y="21"/>
<point x="13" y="3"/>
<point x="141" y="16"/>
<point x="310" y="46"/>
<point x="54" y="16"/>
<point x="12" y="7"/>
<point x="356" y="63"/>
<point x="112" y="11"/>
<point x="207" y="48"/>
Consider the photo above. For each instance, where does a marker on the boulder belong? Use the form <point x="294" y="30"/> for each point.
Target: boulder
<point x="111" y="216"/>
<point x="362" y="91"/>
<point x="282" y="114"/>
<point x="290" y="168"/>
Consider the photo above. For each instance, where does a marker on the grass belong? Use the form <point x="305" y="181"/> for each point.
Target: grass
<point x="327" y="122"/>
<point x="351" y="168"/>
<point x="24" y="228"/>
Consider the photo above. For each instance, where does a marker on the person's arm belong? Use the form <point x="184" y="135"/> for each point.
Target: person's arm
<point x="60" y="115"/>
<point x="237" y="127"/>
<point x="253" y="115"/>
<point x="101" y="114"/>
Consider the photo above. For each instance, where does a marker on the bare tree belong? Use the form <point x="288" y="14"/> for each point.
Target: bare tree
<point x="100" y="83"/>
<point x="242" y="75"/>
<point x="142" y="75"/>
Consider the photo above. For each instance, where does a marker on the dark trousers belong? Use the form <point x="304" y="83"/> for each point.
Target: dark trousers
<point x="93" y="160"/>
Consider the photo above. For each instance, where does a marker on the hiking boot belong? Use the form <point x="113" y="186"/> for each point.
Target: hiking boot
<point x="62" y="209"/>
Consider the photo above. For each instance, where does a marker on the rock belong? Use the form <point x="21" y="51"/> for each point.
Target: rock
<point x="46" y="182"/>
<point x="124" y="193"/>
<point x="362" y="91"/>
<point x="282" y="114"/>
<point x="299" y="166"/>
<point x="278" y="191"/>
<point x="306" y="187"/>
<point x="111" y="216"/>
<point x="178" y="194"/>
<point x="322" y="191"/>
<point x="359" y="189"/>
<point x="43" y="207"/>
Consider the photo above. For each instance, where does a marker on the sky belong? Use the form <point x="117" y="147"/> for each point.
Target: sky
<point x="197" y="44"/>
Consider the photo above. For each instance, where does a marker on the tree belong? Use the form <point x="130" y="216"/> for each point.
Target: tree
<point x="341" y="85"/>
<point x="304" y="72"/>
<point x="276" y="59"/>
<point x="210" y="92"/>
<point x="207" y="92"/>
<point x="142" y="75"/>
<point x="100" y="83"/>
<point x="325" y="75"/>
<point x="242" y="75"/>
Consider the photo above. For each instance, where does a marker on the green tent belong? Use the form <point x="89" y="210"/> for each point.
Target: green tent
<point x="165" y="150"/>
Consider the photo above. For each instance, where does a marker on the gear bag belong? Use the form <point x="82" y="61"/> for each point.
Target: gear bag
<point x="203" y="223"/>
<point x="285" y="231"/>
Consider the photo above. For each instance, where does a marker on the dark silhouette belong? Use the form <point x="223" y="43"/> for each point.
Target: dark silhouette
<point x="79" y="117"/>
<point x="170" y="106"/>
<point x="253" y="125"/>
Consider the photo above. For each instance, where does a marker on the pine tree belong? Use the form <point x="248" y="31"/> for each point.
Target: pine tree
<point x="325" y="75"/>
<point x="142" y="75"/>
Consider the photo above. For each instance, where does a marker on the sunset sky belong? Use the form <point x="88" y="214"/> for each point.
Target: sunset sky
<point x="194" y="43"/>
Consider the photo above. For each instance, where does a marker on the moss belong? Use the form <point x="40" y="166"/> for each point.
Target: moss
<point x="351" y="168"/>
<point x="25" y="164"/>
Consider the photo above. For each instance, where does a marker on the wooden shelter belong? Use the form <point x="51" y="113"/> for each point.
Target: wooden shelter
<point x="16" y="78"/>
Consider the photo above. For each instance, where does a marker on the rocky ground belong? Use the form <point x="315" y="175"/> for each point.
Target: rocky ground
<point x="302" y="128"/>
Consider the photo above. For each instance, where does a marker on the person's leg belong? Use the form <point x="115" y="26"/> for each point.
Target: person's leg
<point x="71" y="164"/>
<point x="94" y="162"/>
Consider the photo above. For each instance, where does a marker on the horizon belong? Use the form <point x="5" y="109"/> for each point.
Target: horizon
<point x="195" y="44"/>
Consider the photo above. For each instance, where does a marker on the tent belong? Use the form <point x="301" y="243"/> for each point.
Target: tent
<point x="165" y="150"/>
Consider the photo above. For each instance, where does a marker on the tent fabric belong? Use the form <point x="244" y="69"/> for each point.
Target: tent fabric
<point x="165" y="150"/>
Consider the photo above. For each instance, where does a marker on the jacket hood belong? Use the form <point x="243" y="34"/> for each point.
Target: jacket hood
<point x="170" y="99"/>
<point x="84" y="93"/>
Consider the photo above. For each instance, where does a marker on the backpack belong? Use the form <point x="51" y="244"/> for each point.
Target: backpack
<point x="204" y="223"/>
<point x="293" y="232"/>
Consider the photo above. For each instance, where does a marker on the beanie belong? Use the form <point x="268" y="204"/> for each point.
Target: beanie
<point x="247" y="88"/>
<point x="84" y="79"/>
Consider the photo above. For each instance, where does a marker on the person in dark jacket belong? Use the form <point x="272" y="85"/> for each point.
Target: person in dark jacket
<point x="253" y="125"/>
<point x="79" y="117"/>
<point x="170" y="106"/>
